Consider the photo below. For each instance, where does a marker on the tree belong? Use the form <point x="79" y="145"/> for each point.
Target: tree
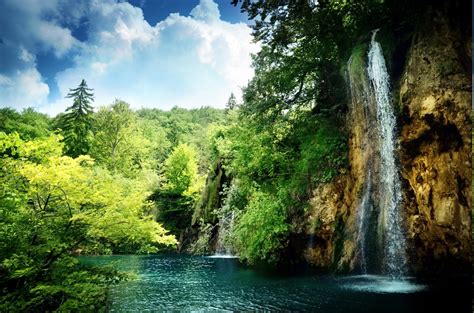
<point x="76" y="122"/>
<point x="118" y="141"/>
<point x="181" y="171"/>
<point x="261" y="232"/>
<point x="180" y="189"/>
<point x="231" y="103"/>
<point x="53" y="207"/>
<point x="29" y="124"/>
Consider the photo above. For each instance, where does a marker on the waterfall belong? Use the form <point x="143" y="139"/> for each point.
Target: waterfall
<point x="381" y="198"/>
<point x="364" y="211"/>
<point x="225" y="227"/>
<point x="390" y="189"/>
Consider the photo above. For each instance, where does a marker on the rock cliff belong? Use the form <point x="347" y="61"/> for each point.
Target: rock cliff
<point x="435" y="142"/>
<point x="433" y="100"/>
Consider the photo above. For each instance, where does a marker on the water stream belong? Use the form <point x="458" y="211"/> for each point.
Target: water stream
<point x="223" y="247"/>
<point x="381" y="200"/>
<point x="390" y="218"/>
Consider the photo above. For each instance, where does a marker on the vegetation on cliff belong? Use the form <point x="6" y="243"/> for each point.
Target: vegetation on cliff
<point x="120" y="180"/>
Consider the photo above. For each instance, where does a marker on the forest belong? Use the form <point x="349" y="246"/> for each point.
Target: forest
<point x="251" y="180"/>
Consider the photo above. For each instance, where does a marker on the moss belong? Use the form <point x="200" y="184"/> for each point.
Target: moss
<point x="447" y="67"/>
<point x="359" y="60"/>
<point x="210" y="197"/>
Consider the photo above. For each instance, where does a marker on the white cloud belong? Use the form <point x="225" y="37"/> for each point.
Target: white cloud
<point x="24" y="23"/>
<point x="206" y="10"/>
<point x="25" y="32"/>
<point x="25" y="56"/>
<point x="23" y="89"/>
<point x="188" y="61"/>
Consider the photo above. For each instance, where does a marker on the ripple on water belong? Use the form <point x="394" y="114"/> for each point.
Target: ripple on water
<point x="222" y="256"/>
<point x="381" y="284"/>
<point x="198" y="284"/>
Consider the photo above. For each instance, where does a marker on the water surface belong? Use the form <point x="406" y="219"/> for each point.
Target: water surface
<point x="204" y="284"/>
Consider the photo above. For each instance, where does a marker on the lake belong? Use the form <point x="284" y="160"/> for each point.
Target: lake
<point x="205" y="284"/>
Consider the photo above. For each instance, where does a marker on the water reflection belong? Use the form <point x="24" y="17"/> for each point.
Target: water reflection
<point x="200" y="284"/>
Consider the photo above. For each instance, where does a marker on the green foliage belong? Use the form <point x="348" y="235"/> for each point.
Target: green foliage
<point x="180" y="188"/>
<point x="72" y="287"/>
<point x="322" y="153"/>
<point x="184" y="126"/>
<point x="261" y="231"/>
<point x="76" y="122"/>
<point x="181" y="171"/>
<point x="53" y="206"/>
<point x="119" y="142"/>
<point x="29" y="124"/>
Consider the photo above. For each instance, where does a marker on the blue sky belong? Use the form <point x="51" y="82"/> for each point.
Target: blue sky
<point x="150" y="53"/>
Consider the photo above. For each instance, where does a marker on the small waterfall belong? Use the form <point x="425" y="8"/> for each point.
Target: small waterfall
<point x="381" y="199"/>
<point x="226" y="224"/>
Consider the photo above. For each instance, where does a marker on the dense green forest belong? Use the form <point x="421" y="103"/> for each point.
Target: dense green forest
<point x="124" y="181"/>
<point x="114" y="180"/>
<point x="89" y="182"/>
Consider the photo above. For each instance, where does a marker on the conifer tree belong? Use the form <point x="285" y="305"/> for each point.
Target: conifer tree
<point x="76" y="122"/>
<point x="231" y="103"/>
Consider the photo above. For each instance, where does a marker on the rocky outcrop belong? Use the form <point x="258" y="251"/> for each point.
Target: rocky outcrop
<point x="326" y="221"/>
<point x="433" y="98"/>
<point x="435" y="141"/>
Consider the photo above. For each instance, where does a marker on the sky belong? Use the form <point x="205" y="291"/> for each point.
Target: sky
<point x="149" y="53"/>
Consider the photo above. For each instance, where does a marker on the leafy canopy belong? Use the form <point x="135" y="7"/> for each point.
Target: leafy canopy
<point x="54" y="206"/>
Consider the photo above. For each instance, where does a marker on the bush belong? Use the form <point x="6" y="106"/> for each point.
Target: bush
<point x="261" y="232"/>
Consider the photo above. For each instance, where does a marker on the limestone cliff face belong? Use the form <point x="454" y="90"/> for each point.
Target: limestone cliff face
<point x="434" y="153"/>
<point x="435" y="142"/>
<point x="325" y="238"/>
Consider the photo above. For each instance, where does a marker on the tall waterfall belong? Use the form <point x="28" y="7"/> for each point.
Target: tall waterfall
<point x="362" y="223"/>
<point x="380" y="202"/>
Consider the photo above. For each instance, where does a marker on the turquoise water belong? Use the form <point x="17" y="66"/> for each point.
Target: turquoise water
<point x="203" y="284"/>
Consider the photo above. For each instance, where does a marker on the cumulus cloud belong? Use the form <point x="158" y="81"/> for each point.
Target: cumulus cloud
<point x="186" y="61"/>
<point x="24" y="32"/>
<point x="23" y="89"/>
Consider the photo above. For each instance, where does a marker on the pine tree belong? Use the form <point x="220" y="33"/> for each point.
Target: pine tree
<point x="76" y="122"/>
<point x="231" y="103"/>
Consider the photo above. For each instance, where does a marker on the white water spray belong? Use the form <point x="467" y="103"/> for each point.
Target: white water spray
<point x="226" y="225"/>
<point x="363" y="221"/>
<point x="390" y="218"/>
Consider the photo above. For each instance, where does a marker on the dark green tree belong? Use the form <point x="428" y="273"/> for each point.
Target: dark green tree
<point x="231" y="103"/>
<point x="76" y="122"/>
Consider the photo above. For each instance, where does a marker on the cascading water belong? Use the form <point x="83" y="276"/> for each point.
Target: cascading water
<point x="225" y="227"/>
<point x="363" y="221"/>
<point x="390" y="189"/>
<point x="381" y="199"/>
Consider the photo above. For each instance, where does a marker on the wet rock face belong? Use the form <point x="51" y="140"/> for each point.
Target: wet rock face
<point x="323" y="238"/>
<point x="435" y="146"/>
<point x="434" y="152"/>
